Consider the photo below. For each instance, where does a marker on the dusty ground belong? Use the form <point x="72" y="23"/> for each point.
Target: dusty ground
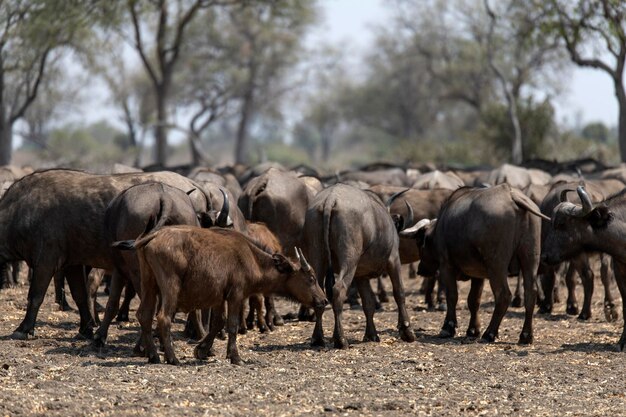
<point x="573" y="368"/>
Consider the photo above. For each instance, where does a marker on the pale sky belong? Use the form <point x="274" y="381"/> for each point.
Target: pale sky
<point x="587" y="97"/>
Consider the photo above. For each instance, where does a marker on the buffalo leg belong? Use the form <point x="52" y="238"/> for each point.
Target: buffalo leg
<point x="145" y="313"/>
<point x="586" y="275"/>
<point x="340" y="290"/>
<point x="353" y="297"/>
<point x="164" y="327"/>
<point x="76" y="281"/>
<point x="382" y="293"/>
<point x="473" y="303"/>
<point x="571" y="307"/>
<point x="610" y="311"/>
<point x="548" y="283"/>
<point x="369" y="306"/>
<point x="529" y="270"/>
<point x="36" y="293"/>
<point x="620" y="279"/>
<point x="517" y="299"/>
<point x="113" y="303"/>
<point x="232" y="326"/>
<point x="429" y="286"/>
<point x="404" y="325"/>
<point x="129" y="294"/>
<point x="93" y="282"/>
<point x="502" y="296"/>
<point x="412" y="271"/>
<point x="272" y="318"/>
<point x="448" y="278"/>
<point x="205" y="348"/>
<point x="258" y="308"/>
<point x="194" y="327"/>
<point x="59" y="291"/>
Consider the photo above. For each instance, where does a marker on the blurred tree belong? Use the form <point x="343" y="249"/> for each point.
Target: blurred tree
<point x="167" y="21"/>
<point x="31" y="33"/>
<point x="594" y="34"/>
<point x="596" y="131"/>
<point x="265" y="39"/>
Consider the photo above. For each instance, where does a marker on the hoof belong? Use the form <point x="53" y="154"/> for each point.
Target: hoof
<point x="154" y="359"/>
<point x="64" y="306"/>
<point x="489" y="337"/>
<point x="221" y="335"/>
<point x="356" y="307"/>
<point x="86" y="334"/>
<point x="572" y="309"/>
<point x="517" y="301"/>
<point x="202" y="354"/>
<point x="264" y="329"/>
<point x="341" y="344"/>
<point x="525" y="338"/>
<point x="584" y="315"/>
<point x="441" y="307"/>
<point x="611" y="314"/>
<point x="545" y="309"/>
<point x="122" y="317"/>
<point x="371" y="338"/>
<point x="236" y="361"/>
<point x="446" y="334"/>
<point x="174" y="361"/>
<point x="18" y="335"/>
<point x="139" y="350"/>
<point x="99" y="341"/>
<point x="318" y="342"/>
<point x="407" y="335"/>
<point x="472" y="332"/>
<point x="242" y="330"/>
<point x="278" y="321"/>
<point x="383" y="298"/>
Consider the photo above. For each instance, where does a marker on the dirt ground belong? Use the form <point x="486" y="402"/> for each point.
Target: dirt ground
<point x="573" y="368"/>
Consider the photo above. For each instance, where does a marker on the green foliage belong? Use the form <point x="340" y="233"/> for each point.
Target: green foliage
<point x="285" y="154"/>
<point x="596" y="131"/>
<point x="536" y="123"/>
<point x="92" y="147"/>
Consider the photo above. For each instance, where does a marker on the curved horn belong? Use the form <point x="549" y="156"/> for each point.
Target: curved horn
<point x="417" y="226"/>
<point x="297" y="253"/>
<point x="585" y="199"/>
<point x="409" y="219"/>
<point x="304" y="265"/>
<point x="393" y="196"/>
<point x="563" y="195"/>
<point x="222" y="218"/>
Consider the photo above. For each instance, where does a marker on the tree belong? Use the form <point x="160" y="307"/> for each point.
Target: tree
<point x="31" y="33"/>
<point x="596" y="131"/>
<point x="265" y="38"/>
<point x="594" y="35"/>
<point x="161" y="57"/>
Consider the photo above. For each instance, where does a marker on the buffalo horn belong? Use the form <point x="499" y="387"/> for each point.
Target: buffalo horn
<point x="416" y="227"/>
<point x="563" y="195"/>
<point x="222" y="217"/>
<point x="394" y="196"/>
<point x="585" y="199"/>
<point x="409" y="219"/>
<point x="297" y="254"/>
<point x="304" y="265"/>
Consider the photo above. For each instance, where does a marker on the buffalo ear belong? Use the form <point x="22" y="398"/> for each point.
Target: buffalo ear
<point x="398" y="221"/>
<point x="599" y="217"/>
<point x="282" y="264"/>
<point x="420" y="237"/>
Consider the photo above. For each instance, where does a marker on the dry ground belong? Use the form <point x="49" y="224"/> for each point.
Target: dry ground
<point x="573" y="368"/>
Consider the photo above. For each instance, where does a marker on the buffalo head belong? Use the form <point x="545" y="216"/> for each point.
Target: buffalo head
<point x="574" y="228"/>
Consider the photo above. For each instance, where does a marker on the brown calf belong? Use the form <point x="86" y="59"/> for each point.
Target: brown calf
<point x="192" y="268"/>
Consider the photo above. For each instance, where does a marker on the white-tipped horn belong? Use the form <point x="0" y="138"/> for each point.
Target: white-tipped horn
<point x="417" y="226"/>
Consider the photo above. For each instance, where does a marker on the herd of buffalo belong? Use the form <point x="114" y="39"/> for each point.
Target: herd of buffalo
<point x="209" y="242"/>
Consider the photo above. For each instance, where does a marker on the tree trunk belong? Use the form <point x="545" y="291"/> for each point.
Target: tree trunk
<point x="242" y="129"/>
<point x="621" y="125"/>
<point x="6" y="141"/>
<point x="517" y="154"/>
<point x="160" y="130"/>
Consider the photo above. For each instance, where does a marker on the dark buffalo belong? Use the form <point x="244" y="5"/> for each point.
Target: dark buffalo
<point x="191" y="268"/>
<point x="576" y="229"/>
<point x="350" y="233"/>
<point x="483" y="233"/>
<point x="54" y="219"/>
<point x="126" y="218"/>
<point x="597" y="191"/>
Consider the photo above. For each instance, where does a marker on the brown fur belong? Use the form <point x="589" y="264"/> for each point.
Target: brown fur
<point x="194" y="268"/>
